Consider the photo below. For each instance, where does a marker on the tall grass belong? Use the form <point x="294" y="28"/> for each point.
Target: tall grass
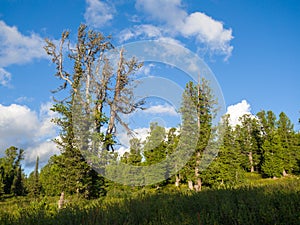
<point x="274" y="203"/>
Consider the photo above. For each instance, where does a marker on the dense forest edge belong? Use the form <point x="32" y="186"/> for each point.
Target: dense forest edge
<point x="253" y="178"/>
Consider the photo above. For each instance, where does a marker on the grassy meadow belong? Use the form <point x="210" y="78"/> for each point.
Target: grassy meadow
<point x="258" y="201"/>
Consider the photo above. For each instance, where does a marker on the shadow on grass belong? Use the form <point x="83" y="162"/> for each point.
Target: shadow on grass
<point x="252" y="205"/>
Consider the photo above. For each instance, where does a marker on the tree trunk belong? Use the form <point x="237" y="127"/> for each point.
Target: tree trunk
<point x="190" y="183"/>
<point x="177" y="180"/>
<point x="115" y="101"/>
<point x="284" y="173"/>
<point x="61" y="201"/>
<point x="251" y="162"/>
<point x="198" y="187"/>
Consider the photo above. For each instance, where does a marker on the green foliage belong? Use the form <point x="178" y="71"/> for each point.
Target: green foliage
<point x="273" y="203"/>
<point x="226" y="170"/>
<point x="198" y="110"/>
<point x="11" y="173"/>
<point x="33" y="183"/>
<point x="154" y="147"/>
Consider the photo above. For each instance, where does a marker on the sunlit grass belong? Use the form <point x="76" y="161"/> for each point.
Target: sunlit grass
<point x="274" y="202"/>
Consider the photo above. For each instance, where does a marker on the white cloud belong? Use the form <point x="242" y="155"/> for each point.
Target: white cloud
<point x="176" y="21"/>
<point x="43" y="149"/>
<point x="146" y="70"/>
<point x="98" y="13"/>
<point x="161" y="109"/>
<point x="145" y="31"/>
<point x="238" y="110"/>
<point x="23" y="99"/>
<point x="168" y="11"/>
<point x="24" y="128"/>
<point x="140" y="133"/>
<point x="209" y="31"/>
<point x="16" y="48"/>
<point x="4" y="77"/>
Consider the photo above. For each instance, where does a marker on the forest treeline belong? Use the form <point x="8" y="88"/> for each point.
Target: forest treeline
<point x="97" y="94"/>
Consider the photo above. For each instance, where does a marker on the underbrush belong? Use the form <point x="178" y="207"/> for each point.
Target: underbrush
<point x="276" y="202"/>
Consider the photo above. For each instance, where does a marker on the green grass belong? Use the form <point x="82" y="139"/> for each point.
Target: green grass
<point x="274" y="202"/>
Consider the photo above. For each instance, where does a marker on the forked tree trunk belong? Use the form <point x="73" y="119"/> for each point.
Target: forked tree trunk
<point x="116" y="95"/>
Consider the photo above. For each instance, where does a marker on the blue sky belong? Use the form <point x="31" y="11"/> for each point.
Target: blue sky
<point x="252" y="47"/>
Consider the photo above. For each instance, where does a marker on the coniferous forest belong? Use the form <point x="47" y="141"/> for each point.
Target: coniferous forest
<point x="252" y="178"/>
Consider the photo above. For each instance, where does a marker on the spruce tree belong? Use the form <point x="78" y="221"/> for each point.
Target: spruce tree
<point x="200" y="100"/>
<point x="286" y="134"/>
<point x="154" y="152"/>
<point x="89" y="114"/>
<point x="18" y="188"/>
<point x="225" y="170"/>
<point x="250" y="142"/>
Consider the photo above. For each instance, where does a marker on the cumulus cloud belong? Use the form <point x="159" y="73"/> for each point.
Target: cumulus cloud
<point x="161" y="109"/>
<point x="238" y="110"/>
<point x="24" y="128"/>
<point x="168" y="11"/>
<point x="98" y="13"/>
<point x="16" y="48"/>
<point x="147" y="31"/>
<point x="140" y="133"/>
<point x="176" y="21"/>
<point x="209" y="31"/>
<point x="43" y="149"/>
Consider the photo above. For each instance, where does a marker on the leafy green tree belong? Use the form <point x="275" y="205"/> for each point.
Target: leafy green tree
<point x="250" y="142"/>
<point x="11" y="171"/>
<point x="155" y="150"/>
<point x="171" y="146"/>
<point x="273" y="164"/>
<point x="297" y="152"/>
<point x="154" y="147"/>
<point x="134" y="156"/>
<point x="130" y="173"/>
<point x="286" y="134"/>
<point x="200" y="97"/>
<point x="50" y="177"/>
<point x="33" y="181"/>
<point x="1" y="178"/>
<point x="225" y="170"/>
<point x="279" y="148"/>
<point x="89" y="114"/>
<point x="18" y="188"/>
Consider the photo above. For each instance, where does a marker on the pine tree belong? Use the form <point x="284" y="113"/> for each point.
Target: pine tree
<point x="89" y="114"/>
<point x="36" y="185"/>
<point x="225" y="170"/>
<point x="171" y="147"/>
<point x="155" y="151"/>
<point x="286" y="134"/>
<point x="200" y="97"/>
<point x="1" y="178"/>
<point x="132" y="172"/>
<point x="12" y="175"/>
<point x="273" y="164"/>
<point x="18" y="183"/>
<point x="250" y="142"/>
<point x="134" y="156"/>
